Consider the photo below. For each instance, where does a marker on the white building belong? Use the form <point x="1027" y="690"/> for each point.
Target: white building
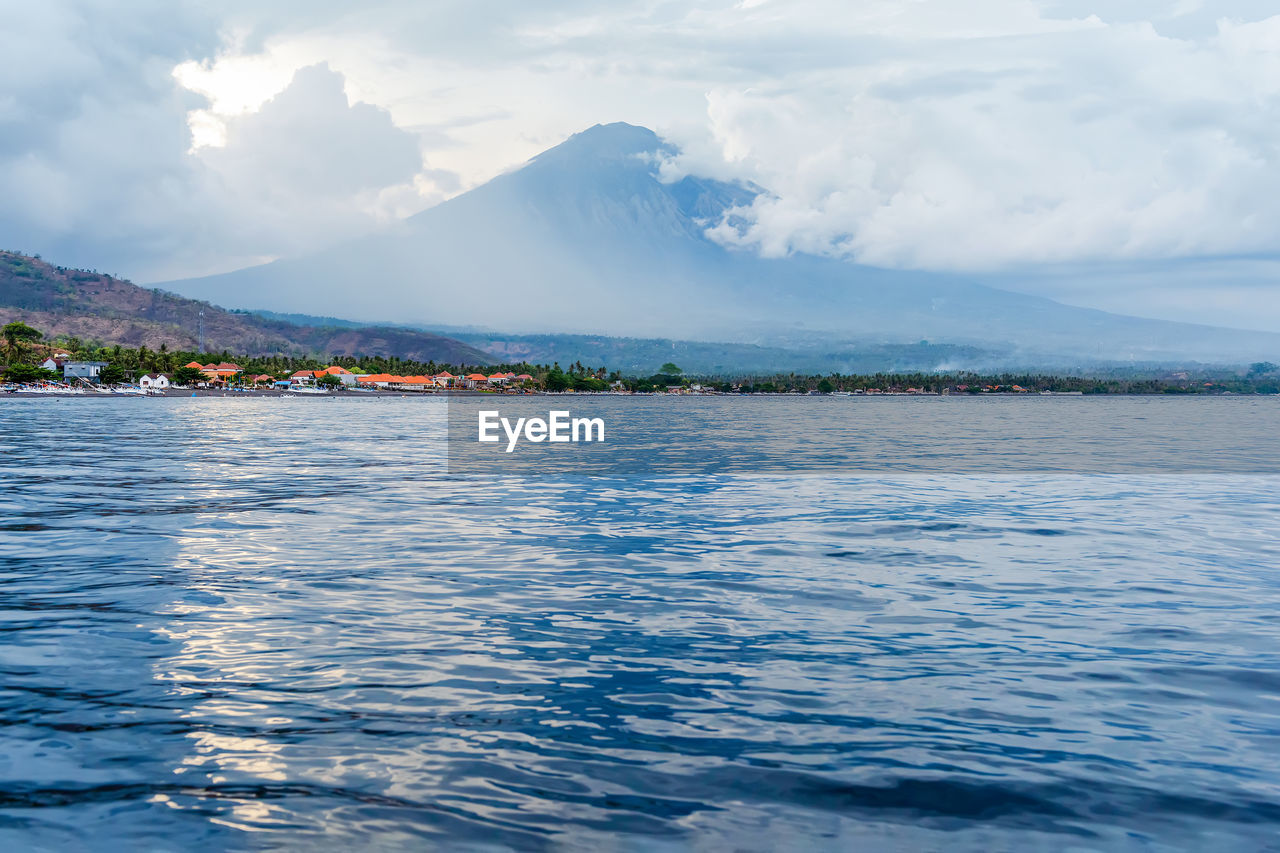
<point x="154" y="380"/>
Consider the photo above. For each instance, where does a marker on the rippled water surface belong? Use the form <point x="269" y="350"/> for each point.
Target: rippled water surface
<point x="257" y="624"/>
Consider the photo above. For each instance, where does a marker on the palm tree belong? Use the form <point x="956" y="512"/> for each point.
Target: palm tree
<point x="16" y="337"/>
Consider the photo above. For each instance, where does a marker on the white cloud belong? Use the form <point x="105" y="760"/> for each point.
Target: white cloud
<point x="159" y="138"/>
<point x="1083" y="141"/>
<point x="313" y="166"/>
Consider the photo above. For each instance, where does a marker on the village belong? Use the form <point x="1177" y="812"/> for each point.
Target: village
<point x="223" y="376"/>
<point x="56" y="372"/>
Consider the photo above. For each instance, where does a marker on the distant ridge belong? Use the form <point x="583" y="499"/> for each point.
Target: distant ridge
<point x="95" y="307"/>
<point x="587" y="237"/>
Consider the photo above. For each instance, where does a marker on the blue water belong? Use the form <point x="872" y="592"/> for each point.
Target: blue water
<point x="285" y="624"/>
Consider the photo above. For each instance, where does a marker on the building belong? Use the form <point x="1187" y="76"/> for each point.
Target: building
<point x="303" y="377"/>
<point x="379" y="380"/>
<point x="346" y="377"/>
<point x="413" y="383"/>
<point x="89" y="370"/>
<point x="154" y="380"/>
<point x="221" y="372"/>
<point x="55" y="362"/>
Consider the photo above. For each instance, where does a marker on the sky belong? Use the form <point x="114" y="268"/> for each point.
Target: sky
<point x="1115" y="154"/>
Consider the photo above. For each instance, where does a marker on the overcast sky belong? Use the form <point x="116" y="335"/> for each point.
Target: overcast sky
<point x="1022" y="139"/>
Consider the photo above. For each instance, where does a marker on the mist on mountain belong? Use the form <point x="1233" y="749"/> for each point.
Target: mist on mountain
<point x="587" y="238"/>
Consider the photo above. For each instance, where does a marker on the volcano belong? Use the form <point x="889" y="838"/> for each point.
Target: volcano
<point x="588" y="238"/>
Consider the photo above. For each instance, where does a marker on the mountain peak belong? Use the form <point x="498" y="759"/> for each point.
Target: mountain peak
<point x="606" y="142"/>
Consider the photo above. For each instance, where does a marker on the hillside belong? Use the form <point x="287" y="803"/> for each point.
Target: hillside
<point x="95" y="307"/>
<point x="643" y="356"/>
<point x="588" y="238"/>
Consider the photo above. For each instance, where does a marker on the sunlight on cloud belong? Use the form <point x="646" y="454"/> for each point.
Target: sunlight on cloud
<point x="234" y="84"/>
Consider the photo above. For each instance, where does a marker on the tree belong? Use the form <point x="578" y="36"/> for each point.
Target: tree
<point x="17" y="335"/>
<point x="556" y="380"/>
<point x="28" y="373"/>
<point x="112" y="374"/>
<point x="187" y="376"/>
<point x="329" y="381"/>
<point x="670" y="369"/>
<point x="825" y="386"/>
<point x="1262" y="368"/>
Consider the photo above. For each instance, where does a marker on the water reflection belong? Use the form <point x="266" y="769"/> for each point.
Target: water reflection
<point x="334" y="645"/>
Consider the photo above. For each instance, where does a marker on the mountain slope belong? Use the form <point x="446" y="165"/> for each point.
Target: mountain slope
<point x="90" y="306"/>
<point x="585" y="238"/>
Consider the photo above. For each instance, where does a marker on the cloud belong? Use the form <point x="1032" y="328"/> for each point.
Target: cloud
<point x="313" y="167"/>
<point x="97" y="162"/>
<point x="991" y="135"/>
<point x="1063" y="141"/>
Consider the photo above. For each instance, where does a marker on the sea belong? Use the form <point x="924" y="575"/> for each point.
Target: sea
<point x="736" y="624"/>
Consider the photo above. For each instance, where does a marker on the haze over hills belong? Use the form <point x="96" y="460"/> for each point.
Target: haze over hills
<point x="95" y="307"/>
<point x="585" y="238"/>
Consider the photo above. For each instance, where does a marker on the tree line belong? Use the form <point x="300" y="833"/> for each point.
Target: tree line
<point x="24" y="347"/>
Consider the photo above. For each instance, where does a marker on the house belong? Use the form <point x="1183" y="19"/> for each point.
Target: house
<point x="55" y="362"/>
<point x="154" y="380"/>
<point x="442" y="380"/>
<point x="524" y="377"/>
<point x="413" y="383"/>
<point x="221" y="372"/>
<point x="499" y="378"/>
<point x="303" y="377"/>
<point x="346" y="377"/>
<point x="378" y="380"/>
<point x="263" y="379"/>
<point x="472" y="380"/>
<point x="82" y="370"/>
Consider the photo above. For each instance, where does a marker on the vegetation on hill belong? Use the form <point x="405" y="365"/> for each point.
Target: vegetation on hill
<point x="24" y="347"/>
<point x="1259" y="378"/>
<point x="639" y="356"/>
<point x="100" y="309"/>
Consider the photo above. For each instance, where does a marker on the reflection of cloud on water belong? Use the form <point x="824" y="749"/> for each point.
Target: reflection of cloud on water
<point x="336" y="642"/>
<point x="88" y="544"/>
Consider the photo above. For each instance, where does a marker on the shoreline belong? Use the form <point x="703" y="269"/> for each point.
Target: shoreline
<point x="212" y="393"/>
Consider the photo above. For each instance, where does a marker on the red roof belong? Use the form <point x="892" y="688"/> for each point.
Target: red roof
<point x="335" y="370"/>
<point x="478" y="377"/>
